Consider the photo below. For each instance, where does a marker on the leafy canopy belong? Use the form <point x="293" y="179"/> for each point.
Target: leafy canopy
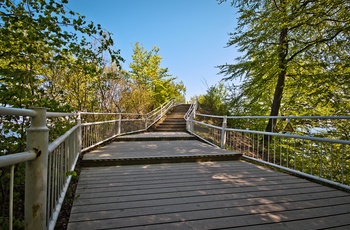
<point x="153" y="81"/>
<point x="293" y="53"/>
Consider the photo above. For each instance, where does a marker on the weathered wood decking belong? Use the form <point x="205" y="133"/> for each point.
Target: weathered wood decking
<point x="201" y="195"/>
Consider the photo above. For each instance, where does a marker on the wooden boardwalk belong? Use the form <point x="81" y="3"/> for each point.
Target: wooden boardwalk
<point x="201" y="195"/>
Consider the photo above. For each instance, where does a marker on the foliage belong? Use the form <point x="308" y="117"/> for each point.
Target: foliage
<point x="215" y="101"/>
<point x="295" y="55"/>
<point x="44" y="56"/>
<point x="153" y="85"/>
<point x="52" y="57"/>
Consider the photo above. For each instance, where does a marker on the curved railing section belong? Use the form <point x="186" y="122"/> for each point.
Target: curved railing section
<point x="294" y="146"/>
<point x="50" y="166"/>
<point x="155" y="115"/>
<point x="189" y="117"/>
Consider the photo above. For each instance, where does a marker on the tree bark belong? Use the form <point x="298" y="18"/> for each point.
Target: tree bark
<point x="277" y="98"/>
<point x="276" y="104"/>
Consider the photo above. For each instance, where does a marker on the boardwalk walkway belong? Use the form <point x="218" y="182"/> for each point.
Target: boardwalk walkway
<point x="203" y="191"/>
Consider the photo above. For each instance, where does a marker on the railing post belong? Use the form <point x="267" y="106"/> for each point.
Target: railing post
<point x="191" y="123"/>
<point x="146" y="119"/>
<point x="36" y="172"/>
<point x="195" y="108"/>
<point x="119" y="124"/>
<point x="80" y="134"/>
<point x="223" y="132"/>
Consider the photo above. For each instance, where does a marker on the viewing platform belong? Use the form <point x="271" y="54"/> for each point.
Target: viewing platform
<point x="173" y="168"/>
<point x="144" y="181"/>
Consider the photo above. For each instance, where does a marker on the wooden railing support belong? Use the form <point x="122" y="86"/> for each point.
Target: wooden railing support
<point x="36" y="172"/>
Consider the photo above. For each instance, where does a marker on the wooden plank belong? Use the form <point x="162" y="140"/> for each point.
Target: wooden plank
<point x="183" y="173"/>
<point x="195" y="198"/>
<point x="267" y="203"/>
<point x="176" y="187"/>
<point x="170" y="192"/>
<point x="152" y="149"/>
<point x="117" y="181"/>
<point x="232" y="171"/>
<point x="334" y="222"/>
<point x="338" y="212"/>
<point x="341" y="222"/>
<point x="224" y="218"/>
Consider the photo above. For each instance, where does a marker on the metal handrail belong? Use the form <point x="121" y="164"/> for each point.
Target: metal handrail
<point x="17" y="158"/>
<point x="267" y="147"/>
<point x="189" y="112"/>
<point x="347" y="142"/>
<point x="17" y="111"/>
<point x="165" y="104"/>
<point x="155" y="115"/>
<point x="275" y="117"/>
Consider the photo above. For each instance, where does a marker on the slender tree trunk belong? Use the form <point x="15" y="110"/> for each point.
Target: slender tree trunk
<point x="276" y="104"/>
<point x="277" y="98"/>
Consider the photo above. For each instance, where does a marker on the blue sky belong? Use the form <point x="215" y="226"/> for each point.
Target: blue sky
<point x="191" y="34"/>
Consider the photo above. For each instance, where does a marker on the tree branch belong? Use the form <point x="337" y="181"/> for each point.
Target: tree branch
<point x="313" y="43"/>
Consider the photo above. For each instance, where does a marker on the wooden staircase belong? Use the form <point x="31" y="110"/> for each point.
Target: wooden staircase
<point x="174" y="121"/>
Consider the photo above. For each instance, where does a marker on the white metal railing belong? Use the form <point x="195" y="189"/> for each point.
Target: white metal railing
<point x="63" y="156"/>
<point x="320" y="158"/>
<point x="95" y="133"/>
<point x="49" y="165"/>
<point x="155" y="115"/>
<point x="189" y="116"/>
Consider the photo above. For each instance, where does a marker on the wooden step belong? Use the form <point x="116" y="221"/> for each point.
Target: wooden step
<point x="174" y="120"/>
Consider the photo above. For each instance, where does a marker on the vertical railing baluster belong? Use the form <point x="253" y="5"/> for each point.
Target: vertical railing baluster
<point x="280" y="151"/>
<point x="268" y="148"/>
<point x="12" y="174"/>
<point x="253" y="151"/>
<point x="310" y="153"/>
<point x="302" y="156"/>
<point x="257" y="147"/>
<point x="287" y="153"/>
<point x="263" y="148"/>
<point x="342" y="164"/>
<point x="295" y="154"/>
<point x="321" y="159"/>
<point x="274" y="150"/>
<point x="331" y="150"/>
<point x="49" y="186"/>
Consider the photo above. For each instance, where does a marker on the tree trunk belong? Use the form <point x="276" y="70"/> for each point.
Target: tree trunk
<point x="277" y="98"/>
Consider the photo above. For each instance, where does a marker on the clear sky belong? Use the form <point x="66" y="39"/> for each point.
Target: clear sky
<point x="191" y="34"/>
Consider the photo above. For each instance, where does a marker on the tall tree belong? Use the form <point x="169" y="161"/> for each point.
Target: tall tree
<point x="285" y="41"/>
<point x="40" y="43"/>
<point x="155" y="81"/>
<point x="34" y="34"/>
